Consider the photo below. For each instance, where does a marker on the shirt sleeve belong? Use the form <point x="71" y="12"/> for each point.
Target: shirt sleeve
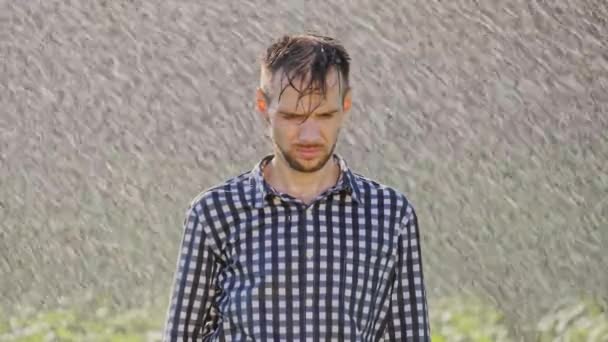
<point x="408" y="318"/>
<point x="191" y="315"/>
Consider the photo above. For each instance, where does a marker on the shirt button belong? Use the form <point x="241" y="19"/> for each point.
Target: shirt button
<point x="309" y="254"/>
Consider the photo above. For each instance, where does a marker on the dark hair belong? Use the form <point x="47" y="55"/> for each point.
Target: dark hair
<point x="307" y="55"/>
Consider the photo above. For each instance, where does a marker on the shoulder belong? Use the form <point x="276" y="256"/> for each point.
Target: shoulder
<point x="232" y="193"/>
<point x="389" y="197"/>
<point x="211" y="211"/>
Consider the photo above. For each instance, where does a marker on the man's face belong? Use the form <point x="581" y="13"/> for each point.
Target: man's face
<point x="307" y="145"/>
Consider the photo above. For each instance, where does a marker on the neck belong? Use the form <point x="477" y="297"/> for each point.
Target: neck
<point x="302" y="185"/>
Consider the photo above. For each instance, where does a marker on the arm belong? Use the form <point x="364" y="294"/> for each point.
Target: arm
<point x="408" y="318"/>
<point x="191" y="316"/>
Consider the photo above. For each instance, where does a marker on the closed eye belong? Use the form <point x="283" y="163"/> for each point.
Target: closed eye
<point x="327" y="115"/>
<point x="291" y="116"/>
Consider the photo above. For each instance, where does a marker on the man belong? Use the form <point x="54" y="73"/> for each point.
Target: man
<point x="300" y="248"/>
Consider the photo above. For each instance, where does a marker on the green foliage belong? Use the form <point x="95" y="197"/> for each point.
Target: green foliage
<point x="466" y="319"/>
<point x="456" y="319"/>
<point x="84" y="324"/>
<point x="582" y="321"/>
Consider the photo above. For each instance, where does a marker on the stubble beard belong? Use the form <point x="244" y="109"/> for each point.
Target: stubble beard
<point x="296" y="165"/>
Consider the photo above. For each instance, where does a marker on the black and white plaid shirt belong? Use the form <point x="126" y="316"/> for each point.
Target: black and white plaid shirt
<point x="259" y="265"/>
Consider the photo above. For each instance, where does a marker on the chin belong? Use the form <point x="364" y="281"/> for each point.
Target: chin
<point x="307" y="165"/>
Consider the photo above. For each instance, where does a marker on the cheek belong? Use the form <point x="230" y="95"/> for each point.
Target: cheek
<point x="331" y="131"/>
<point x="282" y="133"/>
<point x="286" y="128"/>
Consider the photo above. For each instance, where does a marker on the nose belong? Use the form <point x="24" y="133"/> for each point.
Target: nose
<point x="309" y="131"/>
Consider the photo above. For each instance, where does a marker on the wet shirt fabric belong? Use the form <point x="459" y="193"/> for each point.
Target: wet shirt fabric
<point x="259" y="265"/>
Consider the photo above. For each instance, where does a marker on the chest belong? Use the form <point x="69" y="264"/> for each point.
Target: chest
<point x="322" y="241"/>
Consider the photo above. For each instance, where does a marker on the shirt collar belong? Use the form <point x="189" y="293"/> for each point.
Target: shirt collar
<point x="261" y="190"/>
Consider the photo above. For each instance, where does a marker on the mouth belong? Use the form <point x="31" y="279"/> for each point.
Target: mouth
<point x="308" y="152"/>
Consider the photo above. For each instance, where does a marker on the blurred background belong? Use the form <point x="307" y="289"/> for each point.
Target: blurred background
<point x="491" y="116"/>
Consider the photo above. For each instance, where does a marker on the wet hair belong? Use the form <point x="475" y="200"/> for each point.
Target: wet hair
<point x="308" y="56"/>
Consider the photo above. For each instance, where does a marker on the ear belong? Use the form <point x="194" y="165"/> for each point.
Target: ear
<point x="261" y="102"/>
<point x="347" y="101"/>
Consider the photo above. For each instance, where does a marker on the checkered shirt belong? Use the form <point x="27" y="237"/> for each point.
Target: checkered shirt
<point x="259" y="265"/>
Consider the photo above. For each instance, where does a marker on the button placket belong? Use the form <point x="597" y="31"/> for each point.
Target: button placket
<point x="307" y="216"/>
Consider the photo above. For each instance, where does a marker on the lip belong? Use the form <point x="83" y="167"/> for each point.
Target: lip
<point x="308" y="152"/>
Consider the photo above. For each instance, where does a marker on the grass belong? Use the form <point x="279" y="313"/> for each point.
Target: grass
<point x="453" y="319"/>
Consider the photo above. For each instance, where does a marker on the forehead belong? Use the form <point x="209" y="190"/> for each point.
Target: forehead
<point x="292" y="100"/>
